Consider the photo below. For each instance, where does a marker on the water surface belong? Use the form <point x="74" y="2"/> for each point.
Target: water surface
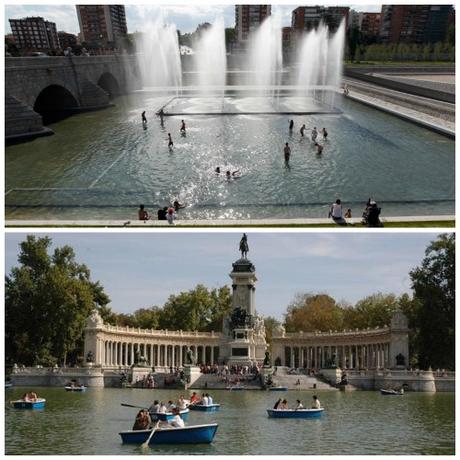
<point x="354" y="423"/>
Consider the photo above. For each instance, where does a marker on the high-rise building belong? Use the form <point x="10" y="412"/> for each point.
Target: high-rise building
<point x="34" y="33"/>
<point x="305" y="18"/>
<point x="248" y="18"/>
<point x="414" y="23"/>
<point x="66" y="40"/>
<point x="369" y="24"/>
<point x="102" y="25"/>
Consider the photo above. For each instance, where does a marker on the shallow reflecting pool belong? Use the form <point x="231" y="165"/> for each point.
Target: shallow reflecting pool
<point x="359" y="422"/>
<point x="104" y="164"/>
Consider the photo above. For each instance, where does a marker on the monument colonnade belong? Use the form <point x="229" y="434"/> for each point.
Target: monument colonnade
<point x="115" y="346"/>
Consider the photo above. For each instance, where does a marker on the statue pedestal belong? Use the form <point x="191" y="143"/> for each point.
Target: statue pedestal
<point x="139" y="373"/>
<point x="191" y="374"/>
<point x="90" y="365"/>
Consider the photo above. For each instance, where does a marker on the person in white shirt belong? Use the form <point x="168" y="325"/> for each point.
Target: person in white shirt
<point x="162" y="408"/>
<point x="336" y="213"/>
<point x="181" y="404"/>
<point x="153" y="409"/>
<point x="316" y="404"/>
<point x="210" y="401"/>
<point x="177" y="421"/>
<point x="170" y="406"/>
<point x="299" y="405"/>
<point x="205" y="400"/>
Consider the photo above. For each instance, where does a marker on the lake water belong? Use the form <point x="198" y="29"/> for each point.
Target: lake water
<point x="354" y="423"/>
<point x="102" y="165"/>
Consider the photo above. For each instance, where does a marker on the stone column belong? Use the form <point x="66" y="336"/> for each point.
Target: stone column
<point x="116" y="354"/>
<point x="291" y="364"/>
<point x="132" y="354"/>
<point x="181" y="350"/>
<point x="212" y="355"/>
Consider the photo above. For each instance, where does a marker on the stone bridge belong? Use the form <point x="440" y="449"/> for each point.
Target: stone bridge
<point x="36" y="88"/>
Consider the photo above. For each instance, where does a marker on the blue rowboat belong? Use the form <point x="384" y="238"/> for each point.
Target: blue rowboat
<point x="21" y="404"/>
<point x="278" y="389"/>
<point x="203" y="408"/>
<point x="72" y="388"/>
<point x="8" y="385"/>
<point x="391" y="392"/>
<point x="194" y="434"/>
<point x="169" y="416"/>
<point x="291" y="413"/>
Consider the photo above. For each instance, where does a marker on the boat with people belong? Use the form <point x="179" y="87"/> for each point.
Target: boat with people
<point x="193" y="434"/>
<point x="278" y="388"/>
<point x="295" y="413"/>
<point x="75" y="388"/>
<point x="39" y="403"/>
<point x="391" y="392"/>
<point x="205" y="408"/>
<point x="168" y="416"/>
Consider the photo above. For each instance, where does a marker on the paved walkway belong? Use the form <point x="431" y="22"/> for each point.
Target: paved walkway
<point x="216" y="222"/>
<point x="371" y="95"/>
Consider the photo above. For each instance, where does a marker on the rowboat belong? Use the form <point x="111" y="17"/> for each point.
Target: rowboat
<point x="292" y="413"/>
<point x="194" y="434"/>
<point x="8" y="385"/>
<point x="391" y="392"/>
<point x="74" y="388"/>
<point x="203" y="408"/>
<point x="21" y="404"/>
<point x="235" y="388"/>
<point x="278" y="388"/>
<point x="168" y="416"/>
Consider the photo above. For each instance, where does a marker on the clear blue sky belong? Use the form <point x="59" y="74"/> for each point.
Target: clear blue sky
<point x="143" y="269"/>
<point x="186" y="17"/>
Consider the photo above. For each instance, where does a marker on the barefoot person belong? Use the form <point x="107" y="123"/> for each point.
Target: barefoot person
<point x="302" y="130"/>
<point x="144" y="119"/>
<point x="314" y="134"/>
<point x="182" y="127"/>
<point x="291" y="125"/>
<point x="325" y="133"/>
<point x="287" y="152"/>
<point x="170" y="142"/>
<point x="142" y="213"/>
<point x="319" y="148"/>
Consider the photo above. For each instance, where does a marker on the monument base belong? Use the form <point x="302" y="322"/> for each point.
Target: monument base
<point x="139" y="373"/>
<point x="191" y="374"/>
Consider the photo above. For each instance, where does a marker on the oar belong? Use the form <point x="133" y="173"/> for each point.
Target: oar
<point x="146" y="443"/>
<point x="130" y="405"/>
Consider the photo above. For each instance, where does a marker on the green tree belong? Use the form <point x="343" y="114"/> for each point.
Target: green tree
<point x="270" y="323"/>
<point x="433" y="283"/>
<point x="375" y="310"/>
<point x="199" y="309"/>
<point x="309" y="312"/>
<point x="47" y="301"/>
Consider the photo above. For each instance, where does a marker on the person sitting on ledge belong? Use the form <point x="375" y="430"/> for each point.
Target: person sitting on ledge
<point x="143" y="214"/>
<point x="336" y="213"/>
<point x="162" y="213"/>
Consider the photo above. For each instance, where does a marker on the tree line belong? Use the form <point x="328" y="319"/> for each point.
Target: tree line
<point x="48" y="297"/>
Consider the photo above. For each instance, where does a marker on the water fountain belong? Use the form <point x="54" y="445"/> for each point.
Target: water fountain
<point x="209" y="59"/>
<point x="265" y="57"/>
<point x="320" y="62"/>
<point x="159" y="61"/>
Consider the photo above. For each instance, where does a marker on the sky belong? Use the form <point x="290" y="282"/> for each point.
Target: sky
<point x="139" y="270"/>
<point x="186" y="17"/>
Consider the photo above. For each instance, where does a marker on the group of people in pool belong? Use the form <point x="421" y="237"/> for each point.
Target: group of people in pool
<point x="314" y="137"/>
<point x="282" y="404"/>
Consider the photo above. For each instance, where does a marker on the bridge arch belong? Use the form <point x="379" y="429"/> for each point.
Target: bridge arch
<point x="54" y="103"/>
<point x="109" y="84"/>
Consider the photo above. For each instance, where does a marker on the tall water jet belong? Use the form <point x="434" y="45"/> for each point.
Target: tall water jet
<point x="159" y="55"/>
<point x="321" y="62"/>
<point x="210" y="58"/>
<point x="265" y="56"/>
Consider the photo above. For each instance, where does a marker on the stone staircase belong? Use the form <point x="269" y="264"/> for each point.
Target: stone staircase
<point x="299" y="381"/>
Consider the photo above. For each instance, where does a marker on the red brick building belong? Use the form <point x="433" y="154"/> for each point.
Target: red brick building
<point x="248" y="18"/>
